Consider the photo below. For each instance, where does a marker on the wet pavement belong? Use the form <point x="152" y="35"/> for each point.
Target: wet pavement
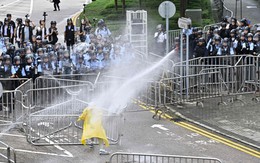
<point x="141" y="134"/>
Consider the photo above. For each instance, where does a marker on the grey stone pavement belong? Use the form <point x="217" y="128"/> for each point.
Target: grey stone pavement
<point x="239" y="119"/>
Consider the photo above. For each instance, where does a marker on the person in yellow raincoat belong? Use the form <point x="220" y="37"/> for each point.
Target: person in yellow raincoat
<point x="93" y="128"/>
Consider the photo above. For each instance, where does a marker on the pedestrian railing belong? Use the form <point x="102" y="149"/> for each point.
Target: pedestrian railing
<point x="121" y="157"/>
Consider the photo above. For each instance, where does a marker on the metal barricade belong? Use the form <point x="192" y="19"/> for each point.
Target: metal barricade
<point x="200" y="86"/>
<point x="12" y="83"/>
<point x="48" y="82"/>
<point x="11" y="110"/>
<point x="121" y="157"/>
<point x="45" y="97"/>
<point x="91" y="77"/>
<point x="7" y="153"/>
<point x="58" y="125"/>
<point x="171" y="35"/>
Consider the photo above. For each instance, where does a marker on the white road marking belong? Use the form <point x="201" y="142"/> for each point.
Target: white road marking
<point x="43" y="153"/>
<point x="51" y="142"/>
<point x="10" y="4"/>
<point x="5" y="134"/>
<point x="31" y="7"/>
<point x="160" y="127"/>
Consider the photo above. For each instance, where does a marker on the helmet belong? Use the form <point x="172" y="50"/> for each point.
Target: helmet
<point x="12" y="47"/>
<point x="7" y="57"/>
<point x="38" y="37"/>
<point x="233" y="31"/>
<point x="225" y="40"/>
<point x="216" y="31"/>
<point x="258" y="29"/>
<point x="195" y="29"/>
<point x="52" y="53"/>
<point x="256" y="37"/>
<point x="223" y="25"/>
<point x="53" y="22"/>
<point x="17" y="58"/>
<point x="49" y="48"/>
<point x="225" y="19"/>
<point x="217" y="38"/>
<point x="247" y="28"/>
<point x="66" y="53"/>
<point x="200" y="32"/>
<point x="233" y="20"/>
<point x="177" y="39"/>
<point x="242" y="34"/>
<point x="62" y="47"/>
<point x="81" y="57"/>
<point x="201" y="40"/>
<point x="101" y="22"/>
<point x="98" y="47"/>
<point x="39" y="50"/>
<point x="244" y="21"/>
<point x="159" y="27"/>
<point x="250" y="35"/>
<point x="45" y="55"/>
<point x="29" y="56"/>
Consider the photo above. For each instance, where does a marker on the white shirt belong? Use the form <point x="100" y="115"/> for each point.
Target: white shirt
<point x="161" y="37"/>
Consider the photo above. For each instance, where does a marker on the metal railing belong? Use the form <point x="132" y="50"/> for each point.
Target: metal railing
<point x="121" y="157"/>
<point x="12" y="83"/>
<point x="8" y="155"/>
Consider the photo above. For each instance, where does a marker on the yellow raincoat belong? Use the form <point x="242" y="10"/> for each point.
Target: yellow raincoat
<point x="92" y="127"/>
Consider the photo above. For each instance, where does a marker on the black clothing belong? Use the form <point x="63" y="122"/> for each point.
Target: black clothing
<point x="56" y="5"/>
<point x="69" y="35"/>
<point x="53" y="38"/>
<point x="200" y="51"/>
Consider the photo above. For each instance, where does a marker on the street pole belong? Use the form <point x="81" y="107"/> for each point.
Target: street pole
<point x="167" y="27"/>
<point x="241" y="16"/>
<point x="181" y="69"/>
<point x="236" y="9"/>
<point x="187" y="66"/>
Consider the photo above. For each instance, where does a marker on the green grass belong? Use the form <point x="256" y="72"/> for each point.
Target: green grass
<point x="115" y="20"/>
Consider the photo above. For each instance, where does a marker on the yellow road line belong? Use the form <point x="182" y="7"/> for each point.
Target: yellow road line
<point x="74" y="17"/>
<point x="207" y="134"/>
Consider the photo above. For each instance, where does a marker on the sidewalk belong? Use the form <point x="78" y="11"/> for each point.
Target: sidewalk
<point x="250" y="9"/>
<point x="238" y="119"/>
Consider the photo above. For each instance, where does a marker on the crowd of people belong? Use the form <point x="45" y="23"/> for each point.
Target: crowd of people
<point x="230" y="37"/>
<point x="27" y="50"/>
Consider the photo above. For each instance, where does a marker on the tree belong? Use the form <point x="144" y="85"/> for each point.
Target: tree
<point x="116" y="4"/>
<point x="123" y="6"/>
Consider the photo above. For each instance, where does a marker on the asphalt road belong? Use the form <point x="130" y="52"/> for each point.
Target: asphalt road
<point x="141" y="134"/>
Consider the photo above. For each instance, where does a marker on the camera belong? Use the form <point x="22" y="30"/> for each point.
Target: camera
<point x="27" y="16"/>
<point x="45" y="14"/>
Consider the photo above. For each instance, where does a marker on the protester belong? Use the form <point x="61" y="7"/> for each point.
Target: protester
<point x="93" y="128"/>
